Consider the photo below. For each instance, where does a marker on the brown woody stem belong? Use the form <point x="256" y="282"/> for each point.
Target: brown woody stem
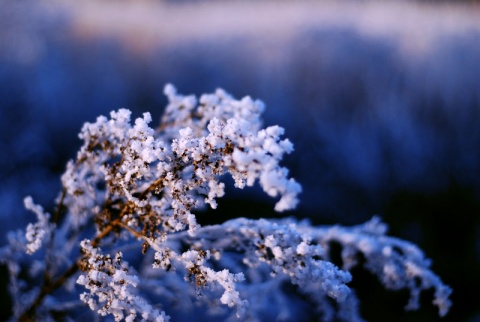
<point x="49" y="286"/>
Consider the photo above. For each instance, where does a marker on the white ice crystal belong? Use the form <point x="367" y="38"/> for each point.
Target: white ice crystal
<point x="112" y="287"/>
<point x="38" y="232"/>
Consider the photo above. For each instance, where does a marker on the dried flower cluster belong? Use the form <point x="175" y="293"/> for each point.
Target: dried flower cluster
<point x="135" y="187"/>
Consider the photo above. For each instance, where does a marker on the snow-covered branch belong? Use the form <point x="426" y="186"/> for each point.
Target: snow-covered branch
<point x="134" y="187"/>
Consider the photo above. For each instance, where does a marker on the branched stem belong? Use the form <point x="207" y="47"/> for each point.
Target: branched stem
<point x="48" y="255"/>
<point x="49" y="285"/>
<point x="47" y="288"/>
<point x="192" y="149"/>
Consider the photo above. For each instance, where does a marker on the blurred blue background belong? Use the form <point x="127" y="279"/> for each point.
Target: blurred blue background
<point x="382" y="102"/>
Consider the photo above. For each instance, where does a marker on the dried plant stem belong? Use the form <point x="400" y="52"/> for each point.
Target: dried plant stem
<point x="47" y="288"/>
<point x="49" y="285"/>
<point x="132" y="181"/>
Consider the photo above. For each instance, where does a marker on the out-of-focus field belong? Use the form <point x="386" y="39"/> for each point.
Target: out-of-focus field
<point x="381" y="99"/>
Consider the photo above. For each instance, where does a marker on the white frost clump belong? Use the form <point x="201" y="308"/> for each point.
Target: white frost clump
<point x="38" y="232"/>
<point x="112" y="287"/>
<point x="133" y="190"/>
<point x="183" y="160"/>
<point x="299" y="252"/>
<point x="397" y="263"/>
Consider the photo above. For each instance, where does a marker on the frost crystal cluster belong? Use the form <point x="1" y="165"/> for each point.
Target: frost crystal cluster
<point x="124" y="240"/>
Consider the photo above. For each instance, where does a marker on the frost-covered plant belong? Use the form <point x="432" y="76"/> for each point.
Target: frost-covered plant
<point x="124" y="240"/>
